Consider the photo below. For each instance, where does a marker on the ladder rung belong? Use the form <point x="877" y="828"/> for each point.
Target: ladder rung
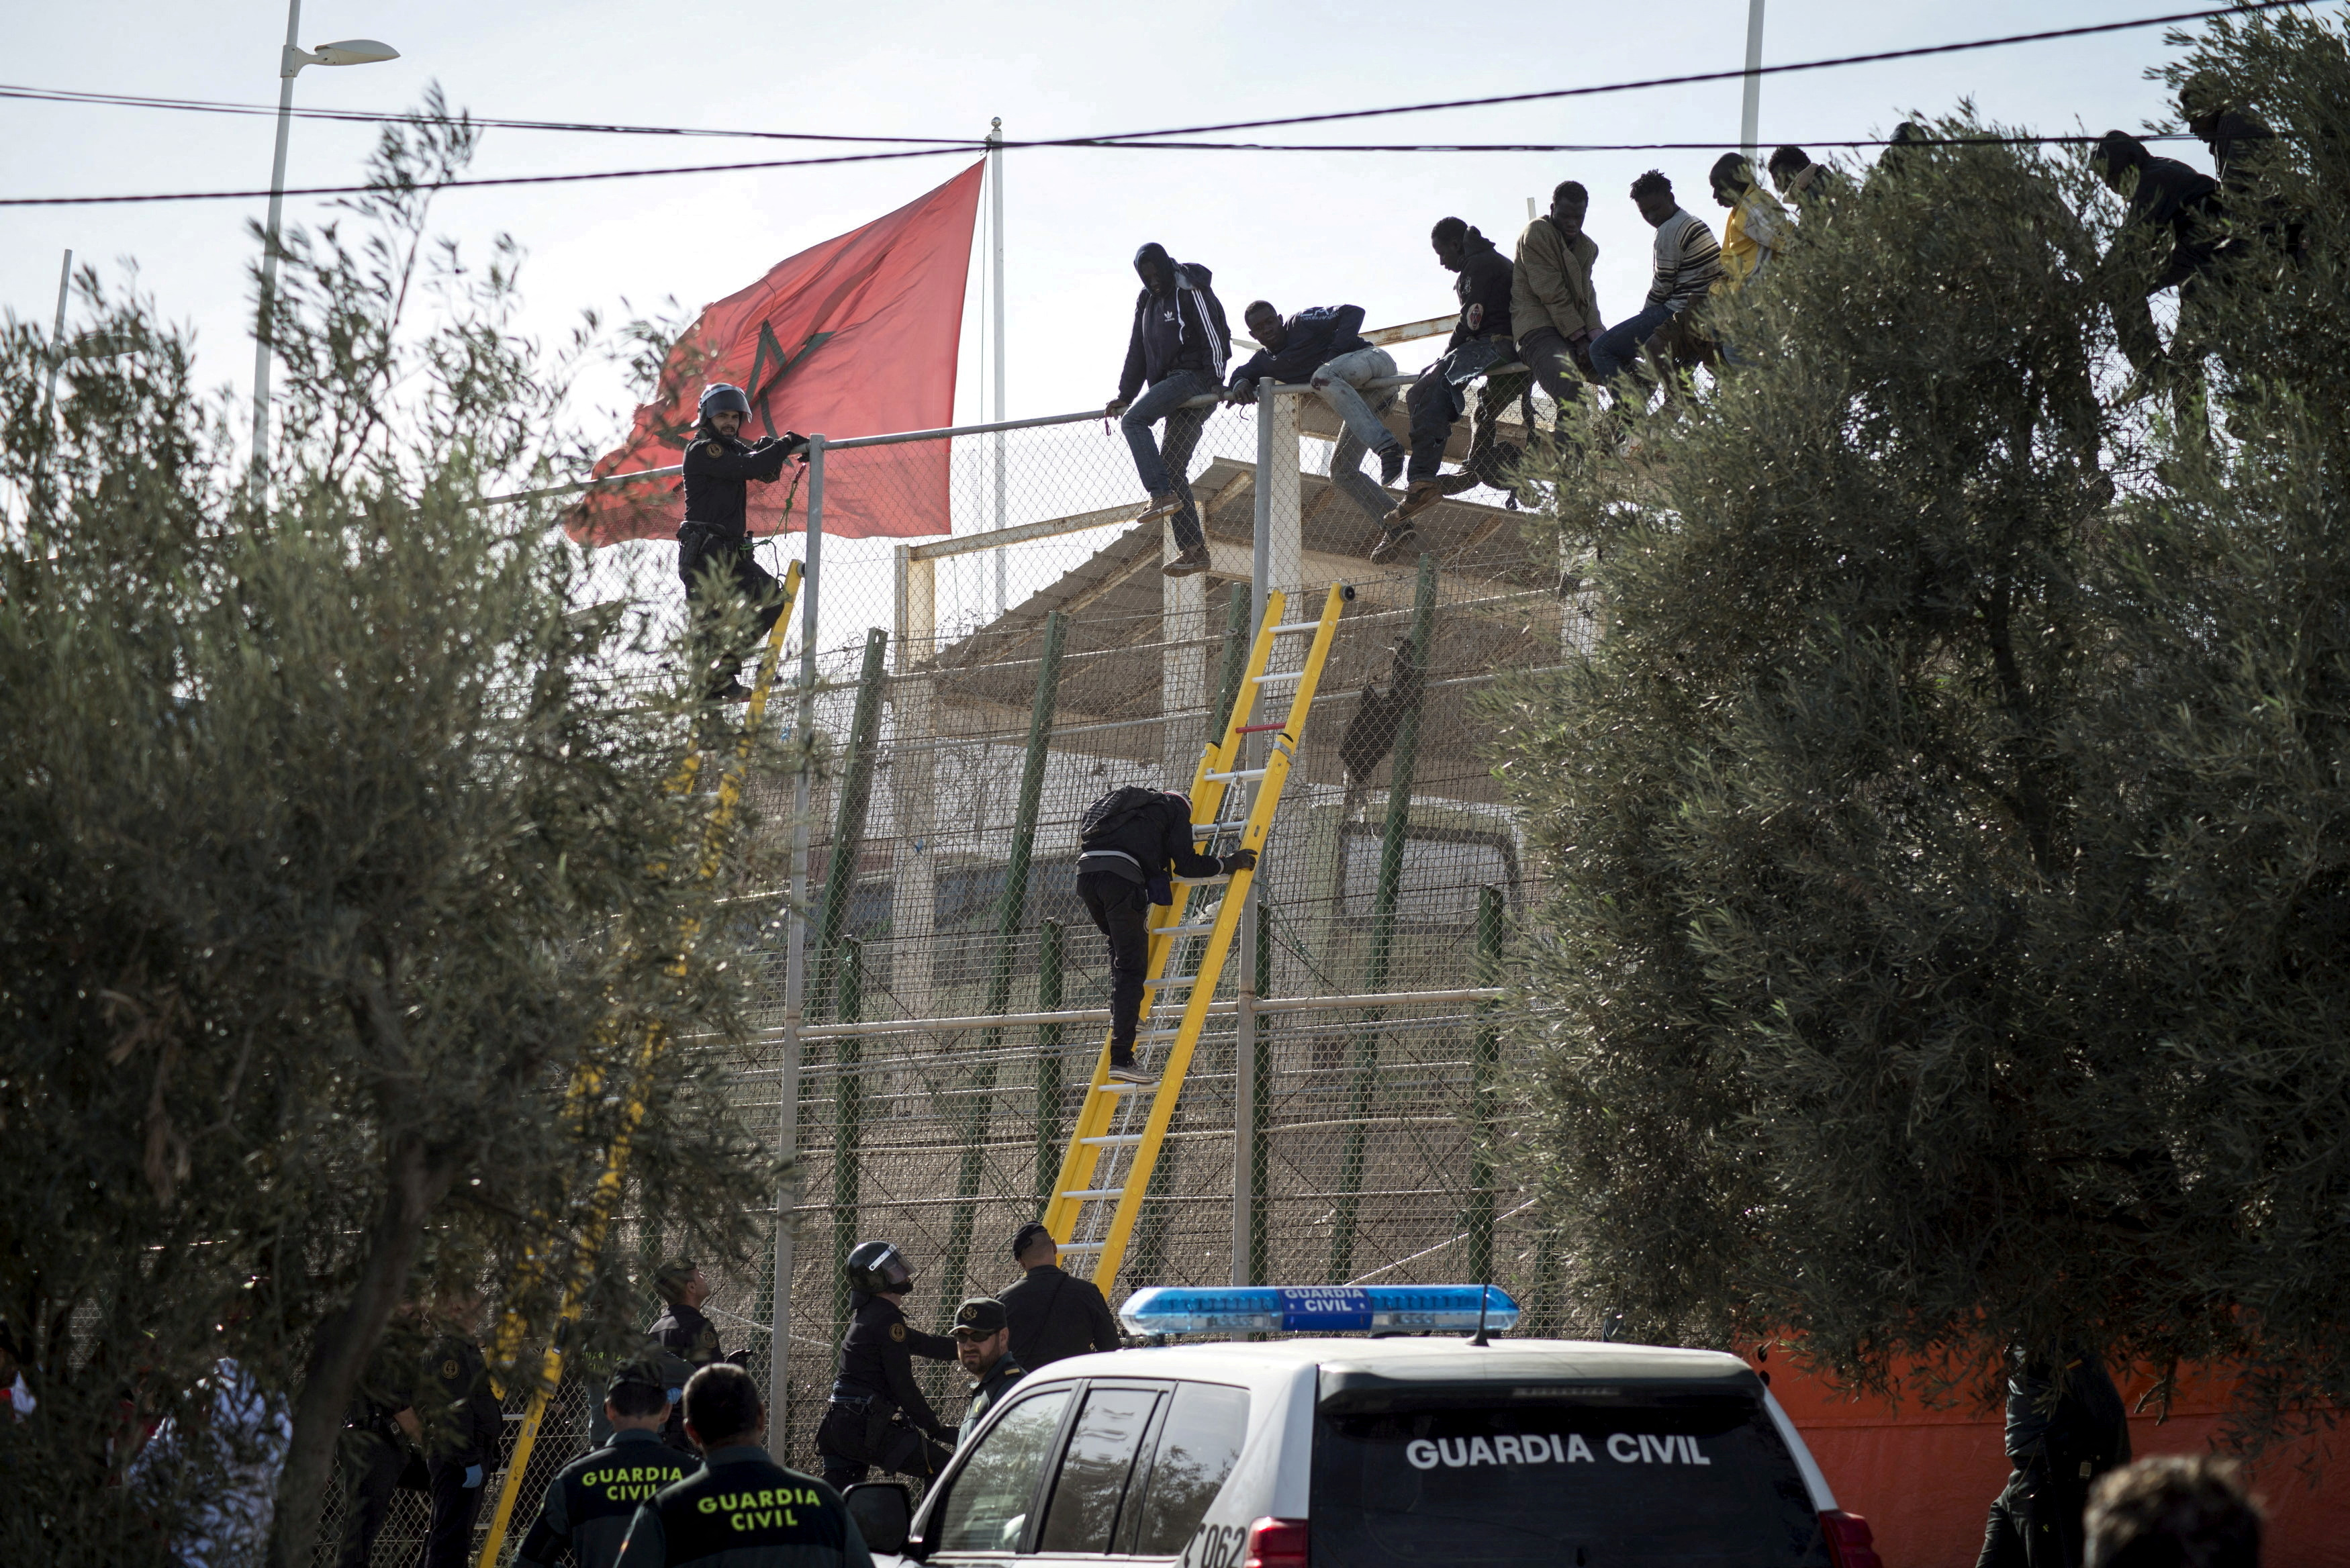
<point x="1202" y="829"/>
<point x="1201" y="881"/>
<point x="1271" y="676"/>
<point x="1190" y="929"/>
<point x="1114" y="1087"/>
<point x="1297" y="625"/>
<point x="1173" y="981"/>
<point x="1081" y="1246"/>
<point x="1090" y="1193"/>
<point x="1239" y="773"/>
<point x="1108" y="1140"/>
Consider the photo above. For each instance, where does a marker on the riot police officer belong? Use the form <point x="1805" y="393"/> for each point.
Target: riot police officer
<point x="878" y="1414"/>
<point x="713" y="542"/>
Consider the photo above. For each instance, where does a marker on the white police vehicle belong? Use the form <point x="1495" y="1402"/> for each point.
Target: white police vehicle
<point x="1379" y="1452"/>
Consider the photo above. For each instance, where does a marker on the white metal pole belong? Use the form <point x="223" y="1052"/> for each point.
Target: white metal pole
<point x="787" y="1076"/>
<point x="995" y="241"/>
<point x="287" y="67"/>
<point x="1750" y="116"/>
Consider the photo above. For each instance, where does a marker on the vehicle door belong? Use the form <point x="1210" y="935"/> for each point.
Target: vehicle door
<point x="1143" y="1463"/>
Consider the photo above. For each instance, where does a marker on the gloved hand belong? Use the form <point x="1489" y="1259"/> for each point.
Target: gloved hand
<point x="793" y="442"/>
<point x="1243" y="393"/>
<point x="472" y="1477"/>
<point x="1240" y="860"/>
<point x="1114" y="408"/>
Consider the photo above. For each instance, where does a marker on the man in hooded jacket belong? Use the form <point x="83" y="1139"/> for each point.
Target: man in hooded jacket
<point x="1324" y="347"/>
<point x="1483" y="278"/>
<point x="1177" y="348"/>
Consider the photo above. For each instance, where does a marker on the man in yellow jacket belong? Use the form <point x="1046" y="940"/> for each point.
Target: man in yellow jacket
<point x="1553" y="305"/>
<point x="1757" y="226"/>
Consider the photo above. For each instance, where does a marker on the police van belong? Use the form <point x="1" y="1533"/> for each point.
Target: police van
<point x="1395" y="1451"/>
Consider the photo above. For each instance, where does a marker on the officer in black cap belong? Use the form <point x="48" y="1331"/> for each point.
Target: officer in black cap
<point x="713" y="542"/>
<point x="878" y="1414"/>
<point x="982" y="1337"/>
<point x="590" y="1502"/>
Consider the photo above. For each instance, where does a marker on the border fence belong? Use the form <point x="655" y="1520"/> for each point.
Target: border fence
<point x="936" y="999"/>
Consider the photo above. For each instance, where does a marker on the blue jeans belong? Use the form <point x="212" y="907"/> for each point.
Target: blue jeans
<point x="1161" y="472"/>
<point x="1620" y="344"/>
<point x="1360" y="431"/>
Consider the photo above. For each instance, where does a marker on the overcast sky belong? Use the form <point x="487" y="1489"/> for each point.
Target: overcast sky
<point x="1297" y="228"/>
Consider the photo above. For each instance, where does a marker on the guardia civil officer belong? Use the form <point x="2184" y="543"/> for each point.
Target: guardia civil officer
<point x="463" y="1428"/>
<point x="592" y="1500"/>
<point x="1133" y="841"/>
<point x="982" y="1337"/>
<point x="683" y="1332"/>
<point x="740" y="1509"/>
<point x="877" y="1414"/>
<point x="1052" y="1315"/>
<point x="713" y="544"/>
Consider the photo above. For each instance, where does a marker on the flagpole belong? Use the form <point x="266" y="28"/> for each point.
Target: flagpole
<point x="995" y="237"/>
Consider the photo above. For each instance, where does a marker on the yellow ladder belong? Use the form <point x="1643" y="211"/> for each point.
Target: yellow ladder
<point x="1116" y="1144"/>
<point x="604" y="1197"/>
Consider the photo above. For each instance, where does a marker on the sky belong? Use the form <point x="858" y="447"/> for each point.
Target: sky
<point x="1296" y="228"/>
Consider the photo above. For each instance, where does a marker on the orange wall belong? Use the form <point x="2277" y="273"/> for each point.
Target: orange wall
<point x="1923" y="1478"/>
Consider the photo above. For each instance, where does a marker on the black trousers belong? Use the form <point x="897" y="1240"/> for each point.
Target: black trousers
<point x="840" y="1446"/>
<point x="1121" y="910"/>
<point x="2035" y="1522"/>
<point x="697" y="550"/>
<point x="1435" y="402"/>
<point x="371" y="1464"/>
<point x="449" y="1542"/>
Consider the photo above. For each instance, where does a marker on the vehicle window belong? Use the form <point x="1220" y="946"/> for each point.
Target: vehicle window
<point x="1199" y="1439"/>
<point x="1091" y="1486"/>
<point x="1605" y="1486"/>
<point x="987" y="1508"/>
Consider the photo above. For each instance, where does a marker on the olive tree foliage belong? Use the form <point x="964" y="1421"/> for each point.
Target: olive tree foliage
<point x="334" y="846"/>
<point x="1950" y="827"/>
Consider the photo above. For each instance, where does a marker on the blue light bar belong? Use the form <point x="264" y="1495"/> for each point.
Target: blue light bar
<point x="1315" y="1309"/>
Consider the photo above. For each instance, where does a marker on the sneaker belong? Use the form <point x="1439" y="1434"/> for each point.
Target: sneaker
<point x="1126" y="1070"/>
<point x="1194" y="558"/>
<point x="1391" y="457"/>
<point x="1394" y="543"/>
<point x="1161" y="504"/>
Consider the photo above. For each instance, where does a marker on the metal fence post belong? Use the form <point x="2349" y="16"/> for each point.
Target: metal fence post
<point x="1051" y="957"/>
<point x="1365" y="1078"/>
<point x="848" y="827"/>
<point x="787" y="1076"/>
<point x="849" y="1121"/>
<point x="1485" y="1055"/>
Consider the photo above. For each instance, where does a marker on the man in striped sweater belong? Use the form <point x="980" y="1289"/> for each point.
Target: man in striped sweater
<point x="1689" y="260"/>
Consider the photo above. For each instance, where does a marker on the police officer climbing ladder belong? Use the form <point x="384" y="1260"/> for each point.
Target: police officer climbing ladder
<point x="878" y="1414"/>
<point x="713" y="544"/>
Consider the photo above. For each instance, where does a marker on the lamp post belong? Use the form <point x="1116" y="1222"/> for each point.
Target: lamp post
<point x="290" y="61"/>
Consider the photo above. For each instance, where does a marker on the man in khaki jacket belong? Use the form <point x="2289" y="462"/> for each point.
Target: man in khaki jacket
<point x="1552" y="304"/>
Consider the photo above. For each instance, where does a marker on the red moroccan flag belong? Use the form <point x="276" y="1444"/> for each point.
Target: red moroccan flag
<point x="854" y="336"/>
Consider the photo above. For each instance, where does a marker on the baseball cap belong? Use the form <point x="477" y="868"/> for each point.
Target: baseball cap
<point x="1025" y="1237"/>
<point x="979" y="1316"/>
<point x="638" y="1375"/>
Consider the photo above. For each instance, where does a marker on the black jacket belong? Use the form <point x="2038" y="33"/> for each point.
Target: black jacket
<point x="463" y="1423"/>
<point x="693" y="1338"/>
<point x="2066" y="1420"/>
<point x="1482" y="287"/>
<point x="591" y="1501"/>
<point x="1054" y="1316"/>
<point x="988" y="1391"/>
<point x="1178" y="328"/>
<point x="1140" y="848"/>
<point x="875" y="1359"/>
<point x="718" y="470"/>
<point x="2168" y="196"/>
<point x="1316" y="337"/>
<point x="745" y="1510"/>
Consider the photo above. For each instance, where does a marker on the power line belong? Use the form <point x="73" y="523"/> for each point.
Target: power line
<point x="1158" y="138"/>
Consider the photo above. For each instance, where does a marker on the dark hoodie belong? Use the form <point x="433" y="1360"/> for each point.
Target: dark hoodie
<point x="1315" y="336"/>
<point x="1179" y="324"/>
<point x="2169" y="195"/>
<point x="1482" y="285"/>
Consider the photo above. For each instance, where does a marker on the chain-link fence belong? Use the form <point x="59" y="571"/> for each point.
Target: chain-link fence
<point x="980" y="688"/>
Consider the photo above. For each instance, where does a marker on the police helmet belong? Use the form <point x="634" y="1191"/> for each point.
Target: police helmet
<point x="879" y="1268"/>
<point x="721" y="396"/>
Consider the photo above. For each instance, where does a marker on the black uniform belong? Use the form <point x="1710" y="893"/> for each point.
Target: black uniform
<point x="2066" y="1426"/>
<point x="685" y="1334"/>
<point x="1054" y="1316"/>
<point x="1480" y="340"/>
<point x="718" y="472"/>
<point x="1122" y="870"/>
<point x="742" y="1510"/>
<point x="464" y="1427"/>
<point x="878" y="1414"/>
<point x="592" y="1502"/>
<point x="988" y="1391"/>
<point x="376" y="1454"/>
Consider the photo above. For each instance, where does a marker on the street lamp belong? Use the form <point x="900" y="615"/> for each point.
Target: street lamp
<point x="290" y="61"/>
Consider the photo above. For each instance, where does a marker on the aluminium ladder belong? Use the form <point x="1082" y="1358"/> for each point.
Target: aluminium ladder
<point x="1115" y="1143"/>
